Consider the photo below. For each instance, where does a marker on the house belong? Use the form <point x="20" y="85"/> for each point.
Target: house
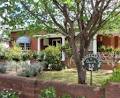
<point x="39" y="42"/>
<point x="36" y="42"/>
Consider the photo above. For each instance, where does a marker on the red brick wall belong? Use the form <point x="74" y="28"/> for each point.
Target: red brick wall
<point x="34" y="44"/>
<point x="30" y="88"/>
<point x="109" y="41"/>
<point x="112" y="90"/>
<point x="14" y="35"/>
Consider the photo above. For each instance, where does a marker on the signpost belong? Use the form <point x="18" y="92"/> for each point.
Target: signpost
<point x="91" y="62"/>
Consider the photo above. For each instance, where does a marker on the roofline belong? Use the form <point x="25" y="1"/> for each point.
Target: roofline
<point x="49" y="35"/>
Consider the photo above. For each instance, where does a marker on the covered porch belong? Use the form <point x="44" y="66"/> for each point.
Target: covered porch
<point x="46" y="40"/>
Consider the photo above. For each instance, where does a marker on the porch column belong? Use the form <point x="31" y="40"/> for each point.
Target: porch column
<point x="63" y="43"/>
<point x="95" y="44"/>
<point x="38" y="44"/>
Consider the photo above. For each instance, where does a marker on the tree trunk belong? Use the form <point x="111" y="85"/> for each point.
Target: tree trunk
<point x="78" y="59"/>
<point x="81" y="74"/>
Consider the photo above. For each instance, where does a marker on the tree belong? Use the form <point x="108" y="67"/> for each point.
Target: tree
<point x="68" y="16"/>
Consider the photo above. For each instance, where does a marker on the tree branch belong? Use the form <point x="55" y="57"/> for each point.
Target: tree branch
<point x="55" y="21"/>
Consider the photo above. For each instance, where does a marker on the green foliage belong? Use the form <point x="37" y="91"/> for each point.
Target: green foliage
<point x="53" y="57"/>
<point x="114" y="78"/>
<point x="112" y="25"/>
<point x="14" y="53"/>
<point x="117" y="50"/>
<point x="8" y="94"/>
<point x="31" y="70"/>
<point x="50" y="93"/>
<point x="41" y="56"/>
<point x="66" y="96"/>
<point x="67" y="49"/>
<point x="26" y="55"/>
<point x="2" y="51"/>
<point x="101" y="48"/>
<point x="109" y="49"/>
<point x="105" y="49"/>
<point x="35" y="55"/>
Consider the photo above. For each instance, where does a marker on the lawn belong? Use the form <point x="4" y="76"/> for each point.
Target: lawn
<point x="70" y="76"/>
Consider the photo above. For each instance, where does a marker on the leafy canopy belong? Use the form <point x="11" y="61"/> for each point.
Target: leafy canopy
<point x="51" y="14"/>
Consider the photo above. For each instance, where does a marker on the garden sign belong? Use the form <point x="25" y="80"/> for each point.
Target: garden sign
<point x="91" y="62"/>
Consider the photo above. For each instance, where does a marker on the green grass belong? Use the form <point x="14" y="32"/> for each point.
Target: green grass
<point x="70" y="76"/>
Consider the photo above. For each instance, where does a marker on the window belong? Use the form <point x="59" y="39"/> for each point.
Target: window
<point x="56" y="42"/>
<point x="22" y="45"/>
<point x="25" y="46"/>
<point x="24" y="42"/>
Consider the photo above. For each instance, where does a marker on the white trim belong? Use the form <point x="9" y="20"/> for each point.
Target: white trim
<point x="38" y="45"/>
<point x="48" y="35"/>
<point x="63" y="43"/>
<point x="95" y="44"/>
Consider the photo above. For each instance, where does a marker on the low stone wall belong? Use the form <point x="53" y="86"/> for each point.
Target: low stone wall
<point x="30" y="88"/>
<point x="112" y="90"/>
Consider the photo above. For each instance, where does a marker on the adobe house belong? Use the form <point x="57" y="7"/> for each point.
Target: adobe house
<point x="42" y="40"/>
<point x="39" y="42"/>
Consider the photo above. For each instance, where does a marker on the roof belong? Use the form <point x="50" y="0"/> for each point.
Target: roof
<point x="48" y="35"/>
<point x="53" y="35"/>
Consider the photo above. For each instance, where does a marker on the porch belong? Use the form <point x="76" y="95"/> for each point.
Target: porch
<point x="46" y="40"/>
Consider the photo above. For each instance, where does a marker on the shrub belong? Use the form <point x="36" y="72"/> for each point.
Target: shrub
<point x="26" y="56"/>
<point x="50" y="93"/>
<point x="41" y="56"/>
<point x="117" y="51"/>
<point x="44" y="64"/>
<point x="14" y="53"/>
<point x="109" y="49"/>
<point x="8" y="94"/>
<point x="31" y="70"/>
<point x="105" y="49"/>
<point x="68" y="51"/>
<point x="2" y="52"/>
<point x="35" y="55"/>
<point x="2" y="68"/>
<point x="114" y="78"/>
<point x="102" y="48"/>
<point x="53" y="57"/>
